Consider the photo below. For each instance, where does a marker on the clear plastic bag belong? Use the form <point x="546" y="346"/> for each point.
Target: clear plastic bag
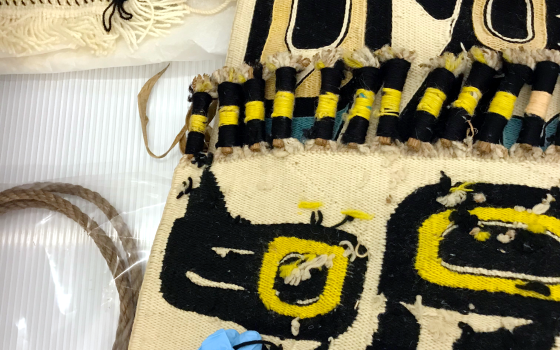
<point x="71" y="264"/>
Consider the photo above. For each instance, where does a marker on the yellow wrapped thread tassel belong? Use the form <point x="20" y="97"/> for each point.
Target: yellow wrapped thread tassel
<point x="390" y="102"/>
<point x="503" y="104"/>
<point x="198" y="123"/>
<point x="254" y="110"/>
<point x="432" y="101"/>
<point x="283" y="104"/>
<point x="327" y="105"/>
<point x="468" y="99"/>
<point x="363" y="102"/>
<point x="229" y="115"/>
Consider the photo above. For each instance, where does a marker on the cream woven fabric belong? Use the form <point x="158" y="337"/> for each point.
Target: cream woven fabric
<point x="267" y="190"/>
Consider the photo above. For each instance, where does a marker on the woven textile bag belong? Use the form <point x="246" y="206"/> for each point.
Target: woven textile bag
<point x="374" y="227"/>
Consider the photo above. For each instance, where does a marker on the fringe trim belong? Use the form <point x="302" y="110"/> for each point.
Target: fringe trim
<point x="455" y="64"/>
<point x="311" y="146"/>
<point x="250" y="154"/>
<point x="283" y="59"/>
<point x="426" y="149"/>
<point x="291" y="146"/>
<point x="547" y="55"/>
<point x="34" y="31"/>
<point x="526" y="152"/>
<point x="387" y="53"/>
<point x="552" y="154"/>
<point x="363" y="57"/>
<point x="520" y="56"/>
<point x="238" y="153"/>
<point x="496" y="151"/>
<point x="484" y="55"/>
<point x="457" y="149"/>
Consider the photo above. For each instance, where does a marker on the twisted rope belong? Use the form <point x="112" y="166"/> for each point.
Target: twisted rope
<point x="127" y="273"/>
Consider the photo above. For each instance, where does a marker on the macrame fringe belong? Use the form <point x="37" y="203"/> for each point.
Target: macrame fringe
<point x="363" y="57"/>
<point x="291" y="146"/>
<point x="454" y="64"/>
<point x="27" y="32"/>
<point x="238" y="153"/>
<point x="231" y="74"/>
<point x="486" y="150"/>
<point x="250" y="153"/>
<point x="552" y="153"/>
<point x="455" y="149"/>
<point x="327" y="57"/>
<point x="484" y="55"/>
<point x="547" y="55"/>
<point x="387" y="53"/>
<point x="526" y="152"/>
<point x="310" y="145"/>
<point x="204" y="83"/>
<point x="520" y="56"/>
<point x="283" y="59"/>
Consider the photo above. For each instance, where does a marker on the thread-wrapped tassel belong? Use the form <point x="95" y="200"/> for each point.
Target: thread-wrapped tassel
<point x="531" y="137"/>
<point x="367" y="81"/>
<point x="285" y="66"/>
<point x="254" y="108"/>
<point x="519" y="64"/>
<point x="486" y="64"/>
<point x="329" y="63"/>
<point x="202" y="90"/>
<point x="439" y="83"/>
<point x="395" y="64"/>
<point x="230" y="98"/>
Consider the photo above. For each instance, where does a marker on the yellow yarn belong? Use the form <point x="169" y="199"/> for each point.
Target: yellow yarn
<point x="357" y="214"/>
<point x="482" y="236"/>
<point x="327" y="105"/>
<point x="363" y="102"/>
<point x="390" y="102"/>
<point x="198" y="123"/>
<point x="477" y="54"/>
<point x="320" y="65"/>
<point x="309" y="205"/>
<point x="432" y="101"/>
<point x="429" y="263"/>
<point x="462" y="187"/>
<point x="503" y="104"/>
<point x="229" y="115"/>
<point x="233" y="73"/>
<point x="254" y="110"/>
<point x="350" y="61"/>
<point x="283" y="104"/>
<point x="453" y="62"/>
<point x="468" y="99"/>
<point x="279" y="248"/>
<point x="286" y="270"/>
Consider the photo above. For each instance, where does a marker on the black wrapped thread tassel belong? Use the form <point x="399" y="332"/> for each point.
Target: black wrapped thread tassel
<point x="254" y="109"/>
<point x="197" y="123"/>
<point x="367" y="81"/>
<point x="283" y="107"/>
<point x="439" y="84"/>
<point x="544" y="82"/>
<point x="501" y="108"/>
<point x="462" y="109"/>
<point x="331" y="78"/>
<point x="394" y="73"/>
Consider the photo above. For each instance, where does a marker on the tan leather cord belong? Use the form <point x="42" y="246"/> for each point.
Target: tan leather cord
<point x="39" y="196"/>
<point x="181" y="138"/>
